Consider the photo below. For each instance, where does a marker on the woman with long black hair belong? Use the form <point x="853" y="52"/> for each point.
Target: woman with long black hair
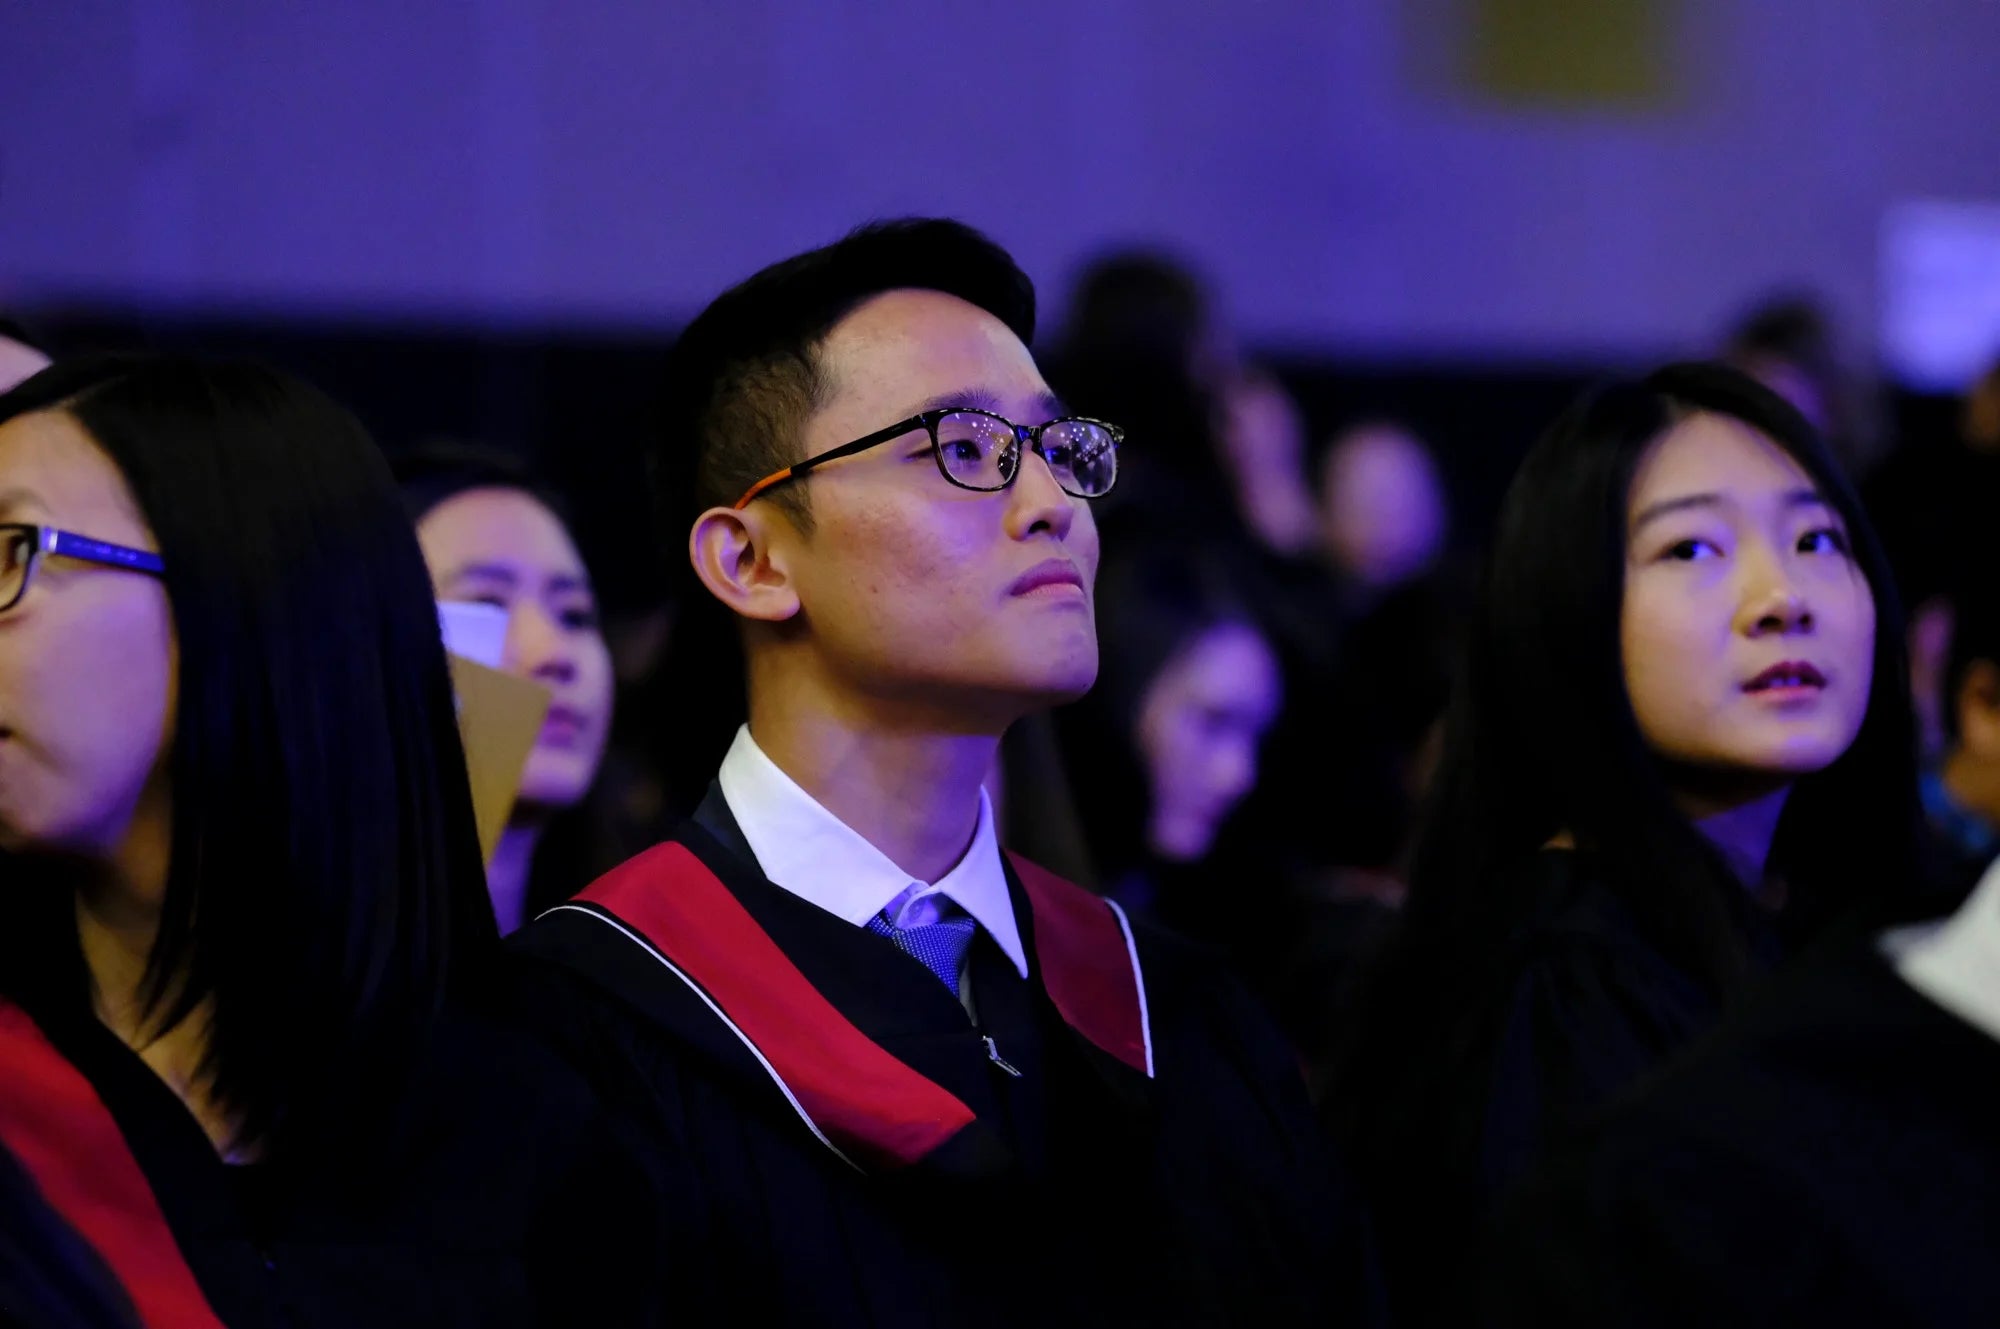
<point x="1681" y="743"/>
<point x="493" y="535"/>
<point x="247" y="1050"/>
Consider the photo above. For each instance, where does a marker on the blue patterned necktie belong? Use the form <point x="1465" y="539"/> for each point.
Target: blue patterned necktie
<point x="938" y="947"/>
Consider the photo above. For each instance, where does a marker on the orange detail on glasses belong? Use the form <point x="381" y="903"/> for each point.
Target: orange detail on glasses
<point x="760" y="487"/>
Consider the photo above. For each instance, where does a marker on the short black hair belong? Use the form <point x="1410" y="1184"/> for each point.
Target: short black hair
<point x="744" y="376"/>
<point x="325" y="888"/>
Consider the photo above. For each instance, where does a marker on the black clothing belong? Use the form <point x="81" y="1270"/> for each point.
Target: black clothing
<point x="1831" y="1158"/>
<point x="500" y="1197"/>
<point x="1572" y="1007"/>
<point x="50" y="1278"/>
<point x="1081" y="1191"/>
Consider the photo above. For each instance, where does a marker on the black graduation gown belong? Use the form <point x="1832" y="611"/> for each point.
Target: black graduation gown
<point x="50" y="1277"/>
<point x="1570" y="1009"/>
<point x="906" y="1177"/>
<point x="499" y="1196"/>
<point x="1831" y="1158"/>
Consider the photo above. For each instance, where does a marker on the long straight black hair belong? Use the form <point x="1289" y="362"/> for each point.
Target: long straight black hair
<point x="1541" y="738"/>
<point x="325" y="890"/>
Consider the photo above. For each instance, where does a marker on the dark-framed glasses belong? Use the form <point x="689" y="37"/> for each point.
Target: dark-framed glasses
<point x="22" y="546"/>
<point x="982" y="451"/>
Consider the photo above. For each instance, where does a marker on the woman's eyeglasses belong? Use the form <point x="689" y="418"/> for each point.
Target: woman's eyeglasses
<point x="23" y="546"/>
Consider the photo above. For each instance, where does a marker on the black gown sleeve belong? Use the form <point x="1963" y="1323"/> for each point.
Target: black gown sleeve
<point x="597" y="1252"/>
<point x="645" y="1256"/>
<point x="1311" y="1258"/>
<point x="1658" y="1231"/>
<point x="1584" y="1019"/>
<point x="49" y="1276"/>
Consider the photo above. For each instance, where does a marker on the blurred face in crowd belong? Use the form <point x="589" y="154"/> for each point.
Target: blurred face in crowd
<point x="1382" y="512"/>
<point x="1748" y="629"/>
<point x="88" y="656"/>
<point x="1200" y="723"/>
<point x="906" y="586"/>
<point x="504" y="548"/>
<point x="18" y="361"/>
<point x="1264" y="443"/>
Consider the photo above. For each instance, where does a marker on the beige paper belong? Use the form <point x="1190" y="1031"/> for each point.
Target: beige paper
<point x="499" y="718"/>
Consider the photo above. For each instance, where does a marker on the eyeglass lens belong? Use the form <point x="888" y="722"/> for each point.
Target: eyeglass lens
<point x="17" y="551"/>
<point x="979" y="452"/>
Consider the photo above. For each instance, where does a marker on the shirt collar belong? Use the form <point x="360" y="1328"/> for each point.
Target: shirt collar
<point x="1956" y="963"/>
<point x="806" y="850"/>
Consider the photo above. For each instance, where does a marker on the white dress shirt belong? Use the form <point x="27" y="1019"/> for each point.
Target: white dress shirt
<point x="1956" y="962"/>
<point x="816" y="856"/>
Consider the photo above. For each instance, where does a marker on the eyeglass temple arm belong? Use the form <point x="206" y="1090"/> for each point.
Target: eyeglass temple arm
<point x="68" y="545"/>
<point x="776" y="477"/>
<point x="844" y="450"/>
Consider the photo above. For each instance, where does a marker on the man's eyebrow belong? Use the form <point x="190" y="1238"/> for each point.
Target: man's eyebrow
<point x="982" y="399"/>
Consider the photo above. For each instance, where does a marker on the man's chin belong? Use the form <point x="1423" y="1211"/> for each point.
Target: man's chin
<point x="1058" y="682"/>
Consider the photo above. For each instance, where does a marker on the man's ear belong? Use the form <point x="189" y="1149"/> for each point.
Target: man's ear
<point x="733" y="554"/>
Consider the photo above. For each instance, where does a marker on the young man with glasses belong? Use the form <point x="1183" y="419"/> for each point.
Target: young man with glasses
<point x="906" y="1077"/>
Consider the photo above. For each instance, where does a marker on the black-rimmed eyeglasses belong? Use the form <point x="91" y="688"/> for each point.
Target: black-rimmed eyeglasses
<point x="982" y="451"/>
<point x="22" y="546"/>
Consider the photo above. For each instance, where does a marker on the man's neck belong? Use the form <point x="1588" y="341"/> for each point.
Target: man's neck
<point x="910" y="791"/>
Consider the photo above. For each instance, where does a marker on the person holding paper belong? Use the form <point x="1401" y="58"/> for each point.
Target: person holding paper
<point x="493" y="537"/>
<point x="917" y="1080"/>
<point x="244" y="1047"/>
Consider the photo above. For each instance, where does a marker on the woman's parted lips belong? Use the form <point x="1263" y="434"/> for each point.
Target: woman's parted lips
<point x="1787" y="674"/>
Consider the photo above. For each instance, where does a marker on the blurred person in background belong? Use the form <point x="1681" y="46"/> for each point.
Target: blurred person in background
<point x="1962" y="793"/>
<point x="492" y="535"/>
<point x="19" y="355"/>
<point x="1383" y="528"/>
<point x="1934" y="500"/>
<point x="1140" y="345"/>
<point x="248" y="1045"/>
<point x="1382" y="519"/>
<point x="1365" y="723"/>
<point x="1263" y="441"/>
<point x="1681" y="747"/>
<point x="1217" y="449"/>
<point x="1166" y="745"/>
<point x="1789" y="343"/>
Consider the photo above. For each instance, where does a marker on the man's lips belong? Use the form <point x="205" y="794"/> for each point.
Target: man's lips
<point x="1048" y="572"/>
<point x="1787" y="676"/>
